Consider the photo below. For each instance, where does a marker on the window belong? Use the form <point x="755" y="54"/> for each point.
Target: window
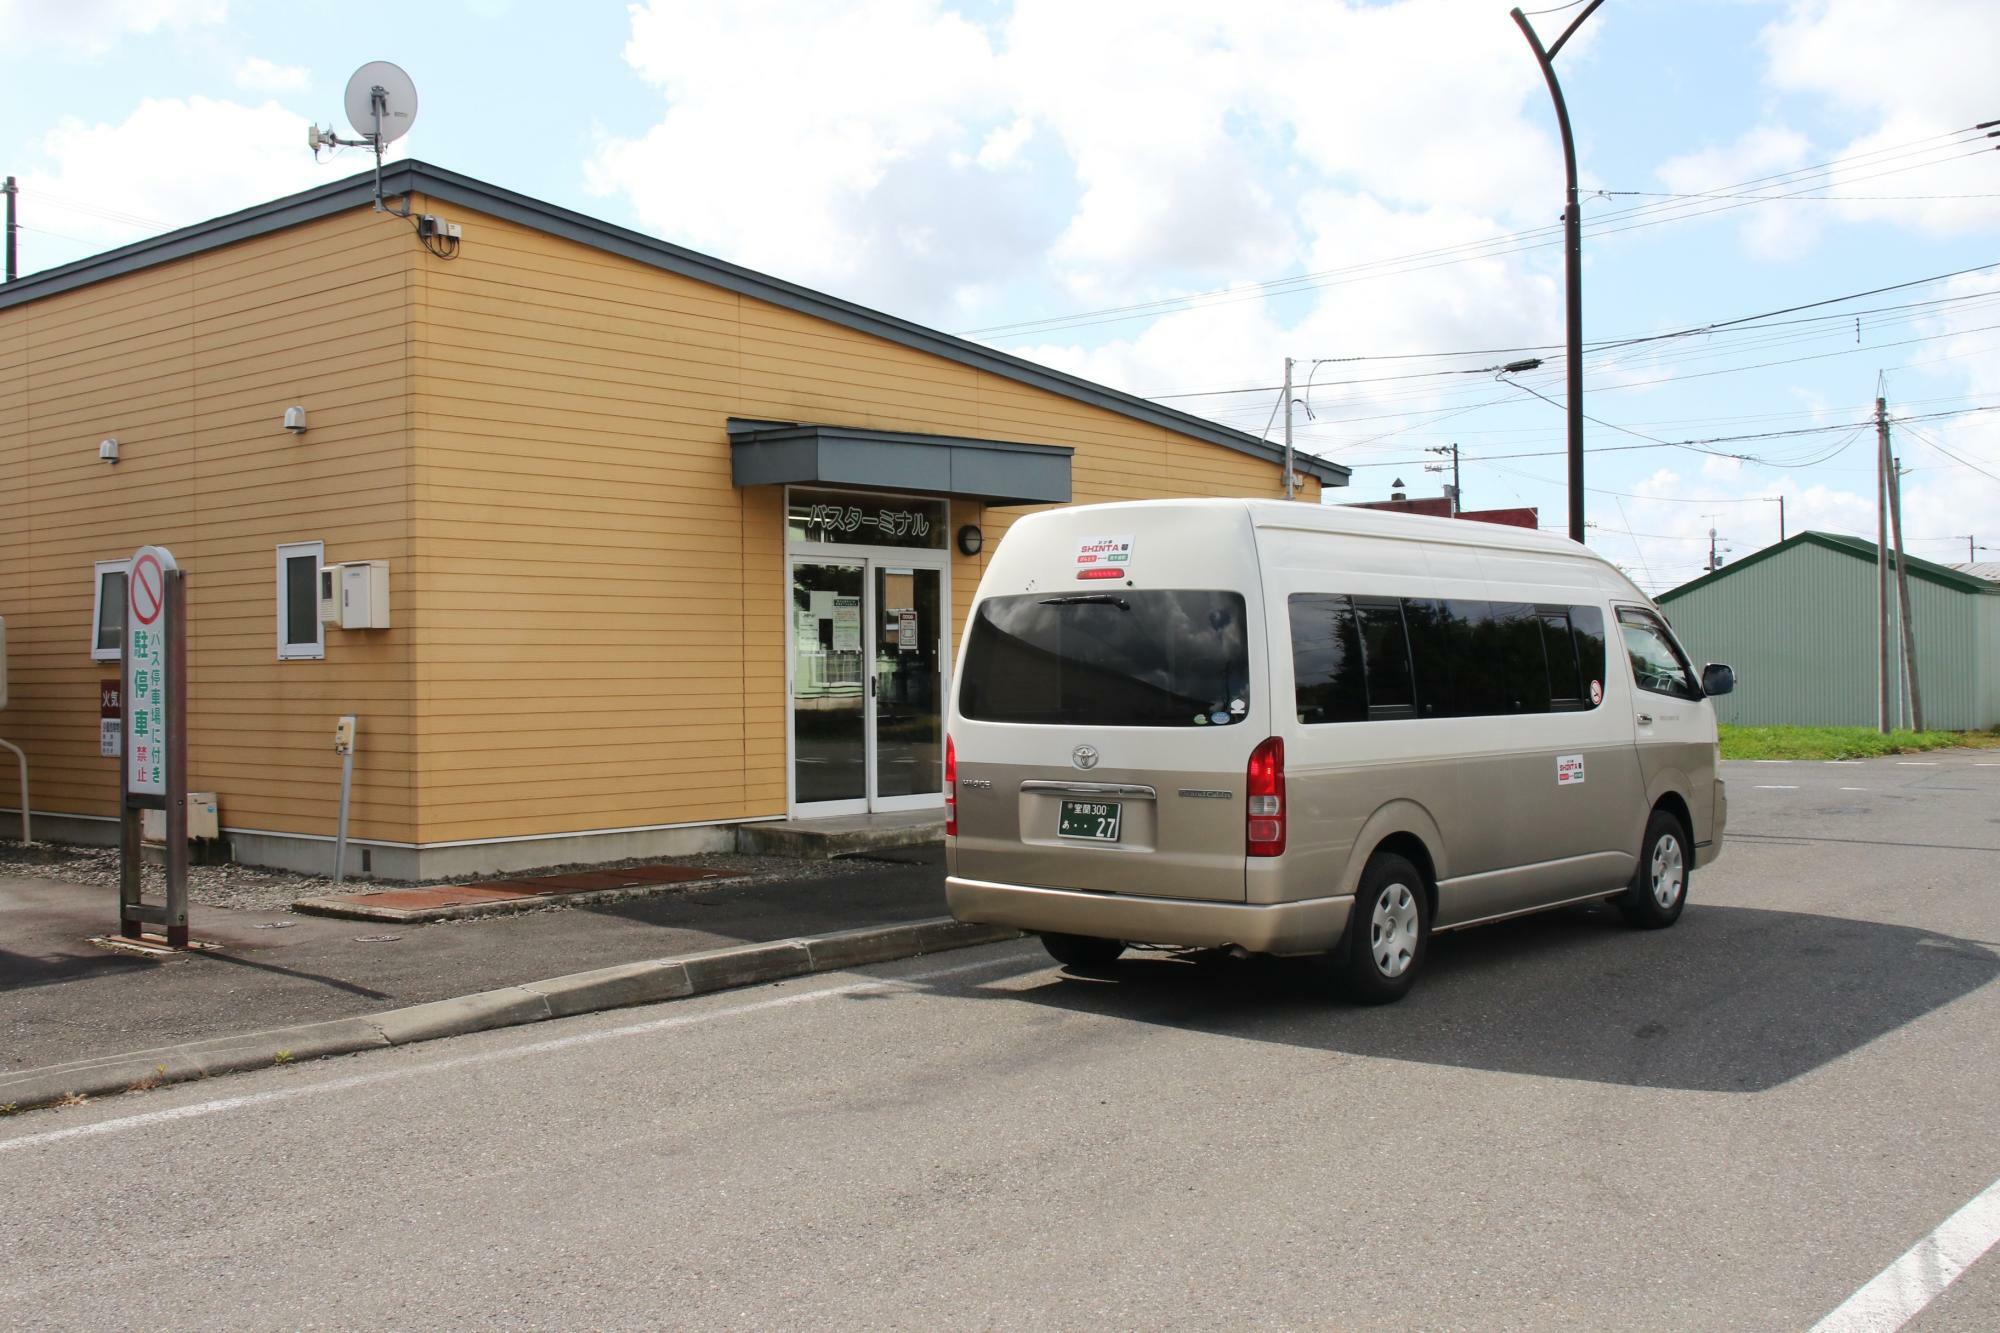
<point x="1657" y="664"/>
<point x="107" y="611"/>
<point x="300" y="634"/>
<point x="1357" y="658"/>
<point x="1110" y="659"/>
<point x="1326" y="659"/>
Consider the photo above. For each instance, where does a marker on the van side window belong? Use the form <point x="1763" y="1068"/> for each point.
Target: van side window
<point x="1385" y="651"/>
<point x="1326" y="659"/>
<point x="1657" y="664"/>
<point x="1361" y="658"/>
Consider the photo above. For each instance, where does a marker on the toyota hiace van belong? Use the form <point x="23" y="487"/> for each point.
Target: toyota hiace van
<point x="1300" y="729"/>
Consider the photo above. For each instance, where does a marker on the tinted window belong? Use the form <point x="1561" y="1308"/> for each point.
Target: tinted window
<point x="1112" y="659"/>
<point x="111" y="612"/>
<point x="1565" y="685"/>
<point x="1385" y="656"/>
<point x="301" y="599"/>
<point x="1362" y="657"/>
<point x="1326" y="659"/>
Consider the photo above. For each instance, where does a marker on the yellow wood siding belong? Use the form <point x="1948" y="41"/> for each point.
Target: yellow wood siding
<point x="190" y="366"/>
<point x="590" y="619"/>
<point x="604" y="635"/>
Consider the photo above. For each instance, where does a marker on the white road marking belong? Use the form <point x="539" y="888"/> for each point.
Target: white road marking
<point x="1895" y="1295"/>
<point x="1986" y="765"/>
<point x="1916" y="763"/>
<point x="1777" y="786"/>
<point x="1854" y="789"/>
<point x="1770" y="761"/>
<point x="221" y="1104"/>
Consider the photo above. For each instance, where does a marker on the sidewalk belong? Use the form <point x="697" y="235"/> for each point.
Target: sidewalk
<point x="63" y="998"/>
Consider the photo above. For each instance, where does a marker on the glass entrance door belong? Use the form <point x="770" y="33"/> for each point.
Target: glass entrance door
<point x="909" y="686"/>
<point x="868" y="646"/>
<point x="829" y="687"/>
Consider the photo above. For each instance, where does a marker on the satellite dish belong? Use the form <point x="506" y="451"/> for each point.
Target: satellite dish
<point x="378" y="80"/>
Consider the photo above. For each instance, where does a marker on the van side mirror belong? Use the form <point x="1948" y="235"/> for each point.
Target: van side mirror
<point x="1717" y="679"/>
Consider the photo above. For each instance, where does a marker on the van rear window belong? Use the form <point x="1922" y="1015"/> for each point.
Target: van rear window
<point x="1125" y="658"/>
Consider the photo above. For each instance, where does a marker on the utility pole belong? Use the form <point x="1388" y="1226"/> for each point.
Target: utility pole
<point x="1781" y="516"/>
<point x="13" y="232"/>
<point x="1882" y="562"/>
<point x="1910" y="692"/>
<point x="1457" y="497"/>
<point x="1572" y="258"/>
<point x="1288" y="428"/>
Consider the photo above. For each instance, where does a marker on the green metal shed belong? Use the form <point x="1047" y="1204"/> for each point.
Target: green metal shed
<point x="1797" y="622"/>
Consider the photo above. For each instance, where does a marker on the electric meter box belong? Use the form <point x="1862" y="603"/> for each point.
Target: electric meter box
<point x="329" y="594"/>
<point x="364" y="594"/>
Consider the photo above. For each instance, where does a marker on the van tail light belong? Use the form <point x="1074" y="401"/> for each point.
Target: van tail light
<point x="1265" y="826"/>
<point x="950" y="788"/>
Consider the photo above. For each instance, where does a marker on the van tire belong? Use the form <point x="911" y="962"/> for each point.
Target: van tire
<point x="1082" y="952"/>
<point x="1659" y="888"/>
<point x="1388" y="932"/>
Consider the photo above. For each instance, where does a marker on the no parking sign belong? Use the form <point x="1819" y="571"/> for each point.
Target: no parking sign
<point x="147" y="628"/>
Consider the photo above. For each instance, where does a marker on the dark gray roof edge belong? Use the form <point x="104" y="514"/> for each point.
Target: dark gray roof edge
<point x="413" y="176"/>
<point x="746" y="429"/>
<point x="1859" y="548"/>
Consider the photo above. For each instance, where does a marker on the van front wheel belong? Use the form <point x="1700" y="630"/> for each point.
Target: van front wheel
<point x="1388" y="933"/>
<point x="1658" y="890"/>
<point x="1082" y="952"/>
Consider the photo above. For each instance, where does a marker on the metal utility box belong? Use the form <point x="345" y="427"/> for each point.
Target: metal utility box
<point x="203" y="822"/>
<point x="364" y="594"/>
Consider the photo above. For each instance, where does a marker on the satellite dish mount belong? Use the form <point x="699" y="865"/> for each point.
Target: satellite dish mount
<point x="381" y="105"/>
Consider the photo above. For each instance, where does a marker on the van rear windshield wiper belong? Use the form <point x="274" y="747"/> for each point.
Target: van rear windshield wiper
<point x="1088" y="599"/>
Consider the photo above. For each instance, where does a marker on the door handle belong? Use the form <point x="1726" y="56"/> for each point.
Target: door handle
<point x="1645" y="719"/>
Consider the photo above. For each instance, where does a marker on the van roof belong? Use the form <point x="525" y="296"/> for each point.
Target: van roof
<point x="1352" y="520"/>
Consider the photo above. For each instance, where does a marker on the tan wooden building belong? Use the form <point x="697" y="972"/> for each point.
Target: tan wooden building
<point x="670" y="545"/>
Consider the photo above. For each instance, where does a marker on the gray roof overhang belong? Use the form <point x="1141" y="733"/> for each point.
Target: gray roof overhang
<point x="1000" y="472"/>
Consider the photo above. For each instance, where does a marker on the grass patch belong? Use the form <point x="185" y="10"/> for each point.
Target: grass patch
<point x="1842" y="742"/>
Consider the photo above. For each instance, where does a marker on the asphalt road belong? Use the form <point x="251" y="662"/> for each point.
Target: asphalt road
<point x="1733" y="1124"/>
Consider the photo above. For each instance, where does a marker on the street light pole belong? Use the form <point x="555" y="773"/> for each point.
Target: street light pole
<point x="1572" y="258"/>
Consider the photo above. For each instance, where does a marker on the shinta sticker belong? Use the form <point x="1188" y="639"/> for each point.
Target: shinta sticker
<point x="1104" y="551"/>
<point x="1596" y="693"/>
<point x="1569" y="770"/>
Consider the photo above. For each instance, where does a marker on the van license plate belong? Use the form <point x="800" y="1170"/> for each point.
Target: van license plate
<point x="1096" y="820"/>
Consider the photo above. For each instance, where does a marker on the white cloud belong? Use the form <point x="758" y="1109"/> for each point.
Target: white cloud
<point x="169" y="163"/>
<point x="1774" y="231"/>
<point x="904" y="154"/>
<point x="94" y="26"/>
<point x="259" y="75"/>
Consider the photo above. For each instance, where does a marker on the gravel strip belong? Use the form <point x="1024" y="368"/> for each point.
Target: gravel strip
<point x="247" y="888"/>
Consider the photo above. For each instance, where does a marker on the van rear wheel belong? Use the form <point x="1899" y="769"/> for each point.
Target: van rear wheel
<point x="1083" y="952"/>
<point x="1388" y="932"/>
<point x="1659" y="886"/>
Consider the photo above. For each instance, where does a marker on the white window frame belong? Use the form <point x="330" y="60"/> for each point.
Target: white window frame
<point x="300" y="652"/>
<point x="104" y="567"/>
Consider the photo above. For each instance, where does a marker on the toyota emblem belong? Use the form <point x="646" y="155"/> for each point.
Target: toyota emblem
<point x="1084" y="756"/>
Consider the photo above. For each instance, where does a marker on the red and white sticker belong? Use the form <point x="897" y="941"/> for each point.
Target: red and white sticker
<point x="1596" y="693"/>
<point x="1569" y="770"/>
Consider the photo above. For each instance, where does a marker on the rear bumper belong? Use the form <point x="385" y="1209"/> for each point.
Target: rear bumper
<point x="1282" y="928"/>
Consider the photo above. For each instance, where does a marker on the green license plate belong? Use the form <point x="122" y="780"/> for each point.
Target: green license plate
<point x="1096" y="820"/>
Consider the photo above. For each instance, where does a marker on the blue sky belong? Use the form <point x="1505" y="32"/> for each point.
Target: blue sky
<point x="1114" y="187"/>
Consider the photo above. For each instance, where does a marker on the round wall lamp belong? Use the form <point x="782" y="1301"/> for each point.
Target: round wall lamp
<point x="970" y="539"/>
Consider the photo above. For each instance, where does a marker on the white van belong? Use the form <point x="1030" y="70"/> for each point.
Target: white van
<point x="1298" y="729"/>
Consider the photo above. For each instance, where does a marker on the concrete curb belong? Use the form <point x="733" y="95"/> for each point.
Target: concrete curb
<point x="531" y="1002"/>
<point x="352" y="911"/>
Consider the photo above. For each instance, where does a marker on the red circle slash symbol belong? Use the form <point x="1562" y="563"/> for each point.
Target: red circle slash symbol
<point x="148" y="585"/>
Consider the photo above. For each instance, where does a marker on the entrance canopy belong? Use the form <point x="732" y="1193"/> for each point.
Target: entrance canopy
<point x="768" y="453"/>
